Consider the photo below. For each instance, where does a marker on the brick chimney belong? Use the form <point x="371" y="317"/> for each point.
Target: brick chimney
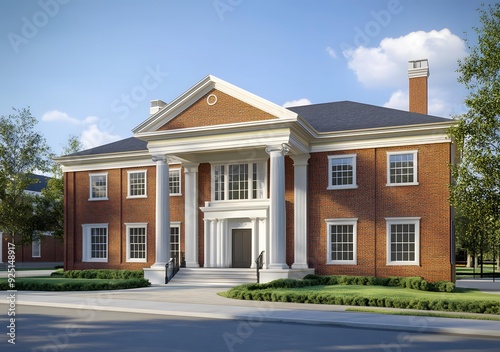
<point x="418" y="72"/>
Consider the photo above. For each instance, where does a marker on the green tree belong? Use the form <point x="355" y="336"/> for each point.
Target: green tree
<point x="23" y="152"/>
<point x="475" y="191"/>
<point x="49" y="209"/>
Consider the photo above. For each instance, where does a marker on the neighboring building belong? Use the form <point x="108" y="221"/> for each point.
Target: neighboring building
<point x="44" y="251"/>
<point x="219" y="175"/>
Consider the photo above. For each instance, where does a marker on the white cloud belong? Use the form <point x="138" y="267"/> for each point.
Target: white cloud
<point x="92" y="137"/>
<point x="385" y="66"/>
<point x="398" y="100"/>
<point x="331" y="52"/>
<point x="298" y="102"/>
<point x="58" y="116"/>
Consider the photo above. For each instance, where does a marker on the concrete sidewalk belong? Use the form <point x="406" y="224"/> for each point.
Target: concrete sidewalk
<point x="203" y="302"/>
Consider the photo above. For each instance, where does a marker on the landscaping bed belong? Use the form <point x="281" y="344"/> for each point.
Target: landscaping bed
<point x="407" y="293"/>
<point x="80" y="280"/>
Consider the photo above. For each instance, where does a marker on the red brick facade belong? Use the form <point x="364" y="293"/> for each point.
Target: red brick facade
<point x="371" y="202"/>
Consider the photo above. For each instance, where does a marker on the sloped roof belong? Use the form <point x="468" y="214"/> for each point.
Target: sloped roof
<point x="326" y="117"/>
<point x="38" y="186"/>
<point x="130" y="144"/>
<point x="348" y="115"/>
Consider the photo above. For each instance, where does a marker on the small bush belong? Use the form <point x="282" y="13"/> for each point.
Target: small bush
<point x="45" y="284"/>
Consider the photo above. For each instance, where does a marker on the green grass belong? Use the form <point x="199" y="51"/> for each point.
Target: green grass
<point x="462" y="300"/>
<point x="397" y="292"/>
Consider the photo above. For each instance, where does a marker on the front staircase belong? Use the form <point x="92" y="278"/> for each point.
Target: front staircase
<point x="214" y="277"/>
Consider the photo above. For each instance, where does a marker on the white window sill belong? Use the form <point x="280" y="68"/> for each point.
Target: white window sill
<point x="100" y="260"/>
<point x="402" y="263"/>
<point x="96" y="199"/>
<point x="401" y="184"/>
<point x="333" y="188"/>
<point x="342" y="262"/>
<point x="175" y="194"/>
<point x="136" y="197"/>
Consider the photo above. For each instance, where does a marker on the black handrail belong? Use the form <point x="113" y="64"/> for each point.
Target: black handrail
<point x="260" y="263"/>
<point x="171" y="268"/>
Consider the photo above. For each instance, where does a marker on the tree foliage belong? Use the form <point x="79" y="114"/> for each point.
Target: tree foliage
<point x="23" y="152"/>
<point x="475" y="192"/>
<point x="49" y="208"/>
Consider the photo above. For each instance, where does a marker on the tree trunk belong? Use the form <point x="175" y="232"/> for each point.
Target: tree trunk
<point x="469" y="261"/>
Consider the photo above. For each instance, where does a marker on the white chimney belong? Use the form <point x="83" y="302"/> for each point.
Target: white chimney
<point x="156" y="105"/>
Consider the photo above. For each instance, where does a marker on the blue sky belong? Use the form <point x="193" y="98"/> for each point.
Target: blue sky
<point x="90" y="67"/>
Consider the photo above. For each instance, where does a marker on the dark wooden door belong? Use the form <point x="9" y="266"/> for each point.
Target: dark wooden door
<point x="242" y="248"/>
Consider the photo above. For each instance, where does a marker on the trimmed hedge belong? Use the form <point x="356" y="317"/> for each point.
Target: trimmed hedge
<point x="416" y="283"/>
<point x="48" y="284"/>
<point x="109" y="274"/>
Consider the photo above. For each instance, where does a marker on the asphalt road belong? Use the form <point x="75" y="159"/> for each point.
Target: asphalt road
<point x="61" y="329"/>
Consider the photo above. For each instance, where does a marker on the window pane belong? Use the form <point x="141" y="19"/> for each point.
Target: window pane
<point x="174" y="181"/>
<point x="174" y="244"/>
<point x="137" y="183"/>
<point x="98" y="184"/>
<point x="137" y="243"/>
<point x="402" y="245"/>
<point x="341" y="242"/>
<point x="342" y="171"/>
<point x="98" y="243"/>
<point x="401" y="168"/>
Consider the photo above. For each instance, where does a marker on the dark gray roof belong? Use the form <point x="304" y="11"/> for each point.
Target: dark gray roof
<point x="348" y="115"/>
<point x="326" y="117"/>
<point x="131" y="144"/>
<point x="40" y="183"/>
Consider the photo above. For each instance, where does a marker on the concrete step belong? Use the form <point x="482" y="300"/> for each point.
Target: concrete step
<point x="210" y="276"/>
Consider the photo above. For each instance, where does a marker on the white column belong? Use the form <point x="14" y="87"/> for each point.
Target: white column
<point x="191" y="214"/>
<point x="220" y="245"/>
<point x="162" y="212"/>
<point x="300" y="211"/>
<point x="255" y="241"/>
<point x="213" y="243"/>
<point x="277" y="210"/>
<point x="206" y="243"/>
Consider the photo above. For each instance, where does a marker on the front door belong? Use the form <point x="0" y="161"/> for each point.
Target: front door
<point x="242" y="248"/>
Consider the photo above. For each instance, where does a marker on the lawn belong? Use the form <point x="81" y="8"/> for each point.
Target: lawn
<point x="462" y="300"/>
<point x="374" y="292"/>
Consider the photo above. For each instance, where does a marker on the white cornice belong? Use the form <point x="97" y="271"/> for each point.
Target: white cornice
<point x="105" y="161"/>
<point x="383" y="137"/>
<point x="201" y="88"/>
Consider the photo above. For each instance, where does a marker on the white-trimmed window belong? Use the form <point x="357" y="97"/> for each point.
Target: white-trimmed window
<point x="95" y="243"/>
<point x="175" y="241"/>
<point x="174" y="182"/>
<point x="402" y="168"/>
<point x="137" y="234"/>
<point x="342" y="171"/>
<point x="403" y="241"/>
<point x="99" y="186"/>
<point x="137" y="184"/>
<point x="342" y="241"/>
<point x="239" y="181"/>
<point x="36" y="248"/>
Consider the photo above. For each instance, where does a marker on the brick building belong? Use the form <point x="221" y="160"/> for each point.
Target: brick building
<point x="218" y="175"/>
<point x="44" y="252"/>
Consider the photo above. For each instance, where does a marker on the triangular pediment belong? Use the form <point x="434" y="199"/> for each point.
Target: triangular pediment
<point x="212" y="102"/>
<point x="216" y="108"/>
